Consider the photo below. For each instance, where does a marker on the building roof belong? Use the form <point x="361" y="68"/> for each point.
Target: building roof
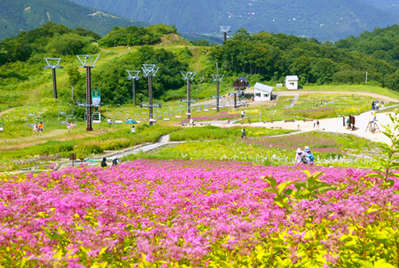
<point x="244" y="79"/>
<point x="262" y="87"/>
<point x="292" y="77"/>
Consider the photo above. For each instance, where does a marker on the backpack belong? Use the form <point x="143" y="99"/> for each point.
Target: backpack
<point x="310" y="157"/>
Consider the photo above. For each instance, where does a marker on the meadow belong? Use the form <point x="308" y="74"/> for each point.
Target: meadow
<point x="199" y="213"/>
<point x="207" y="199"/>
<point x="330" y="149"/>
<point x="308" y="107"/>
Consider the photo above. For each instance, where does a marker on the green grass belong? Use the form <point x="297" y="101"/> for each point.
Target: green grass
<point x="355" y="88"/>
<point x="84" y="146"/>
<point x="328" y="148"/>
<point x="211" y="133"/>
<point x="311" y="106"/>
<point x="33" y="94"/>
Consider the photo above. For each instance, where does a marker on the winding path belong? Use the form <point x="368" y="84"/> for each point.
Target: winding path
<point x="334" y="125"/>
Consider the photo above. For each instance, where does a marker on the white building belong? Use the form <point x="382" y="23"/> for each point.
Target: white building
<point x="291" y="82"/>
<point x="262" y="92"/>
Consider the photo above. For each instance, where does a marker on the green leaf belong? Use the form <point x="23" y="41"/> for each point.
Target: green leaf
<point x="283" y="186"/>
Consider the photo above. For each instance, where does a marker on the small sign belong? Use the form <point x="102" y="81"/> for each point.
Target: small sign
<point x="96" y="97"/>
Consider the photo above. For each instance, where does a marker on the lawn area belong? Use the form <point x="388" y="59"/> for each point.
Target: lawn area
<point x="212" y="133"/>
<point x="46" y="149"/>
<point x="309" y="106"/>
<point x="355" y="88"/>
<point x="328" y="148"/>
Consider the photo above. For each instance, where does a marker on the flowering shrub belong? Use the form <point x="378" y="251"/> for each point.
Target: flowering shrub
<point x="198" y="214"/>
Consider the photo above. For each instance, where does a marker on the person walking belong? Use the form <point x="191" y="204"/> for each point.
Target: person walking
<point x="104" y="162"/>
<point x="40" y="127"/>
<point x="243" y="133"/>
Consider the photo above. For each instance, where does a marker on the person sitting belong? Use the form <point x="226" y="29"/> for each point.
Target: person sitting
<point x="115" y="162"/>
<point x="309" y="156"/>
<point x="133" y="129"/>
<point x="104" y="162"/>
<point x="300" y="157"/>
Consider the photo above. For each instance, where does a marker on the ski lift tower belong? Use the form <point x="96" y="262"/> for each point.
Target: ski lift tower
<point x="217" y="78"/>
<point x="53" y="64"/>
<point x="150" y="70"/>
<point x="188" y="76"/>
<point x="225" y="30"/>
<point x="133" y="75"/>
<point x="88" y="62"/>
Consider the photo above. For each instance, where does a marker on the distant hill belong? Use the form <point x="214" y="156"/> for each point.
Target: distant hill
<point x="321" y="19"/>
<point x="17" y="15"/>
<point x="382" y="43"/>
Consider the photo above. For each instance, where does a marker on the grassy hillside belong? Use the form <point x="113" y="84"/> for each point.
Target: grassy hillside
<point x="26" y="95"/>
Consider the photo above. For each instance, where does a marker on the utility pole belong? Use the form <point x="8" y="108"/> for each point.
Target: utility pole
<point x="150" y="70"/>
<point x="88" y="62"/>
<point x="225" y="30"/>
<point x="367" y="74"/>
<point x="133" y="75"/>
<point x="188" y="76"/>
<point x="53" y="64"/>
<point x="217" y="78"/>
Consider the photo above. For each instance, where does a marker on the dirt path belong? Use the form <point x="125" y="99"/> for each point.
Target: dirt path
<point x="368" y="94"/>
<point x="6" y="144"/>
<point x="7" y="111"/>
<point x="334" y="125"/>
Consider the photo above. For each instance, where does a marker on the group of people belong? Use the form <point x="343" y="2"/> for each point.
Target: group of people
<point x="376" y="105"/>
<point x="38" y="127"/>
<point x="349" y="122"/>
<point x="304" y="157"/>
<point x="115" y="162"/>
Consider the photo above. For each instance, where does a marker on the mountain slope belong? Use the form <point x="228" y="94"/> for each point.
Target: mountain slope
<point x="17" y="15"/>
<point x="322" y="19"/>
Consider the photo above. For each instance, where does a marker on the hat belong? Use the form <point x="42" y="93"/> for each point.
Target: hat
<point x="307" y="149"/>
<point x="299" y="150"/>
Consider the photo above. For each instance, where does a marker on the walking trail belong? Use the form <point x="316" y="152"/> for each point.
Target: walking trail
<point x="143" y="148"/>
<point x="334" y="125"/>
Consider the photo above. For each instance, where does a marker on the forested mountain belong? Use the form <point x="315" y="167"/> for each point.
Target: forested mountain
<point x="382" y="43"/>
<point x="321" y="19"/>
<point x="17" y="15"/>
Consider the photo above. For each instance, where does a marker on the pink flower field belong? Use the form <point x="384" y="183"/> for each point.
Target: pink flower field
<point x="218" y="214"/>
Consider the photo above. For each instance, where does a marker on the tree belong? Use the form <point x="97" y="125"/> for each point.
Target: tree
<point x="322" y="70"/>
